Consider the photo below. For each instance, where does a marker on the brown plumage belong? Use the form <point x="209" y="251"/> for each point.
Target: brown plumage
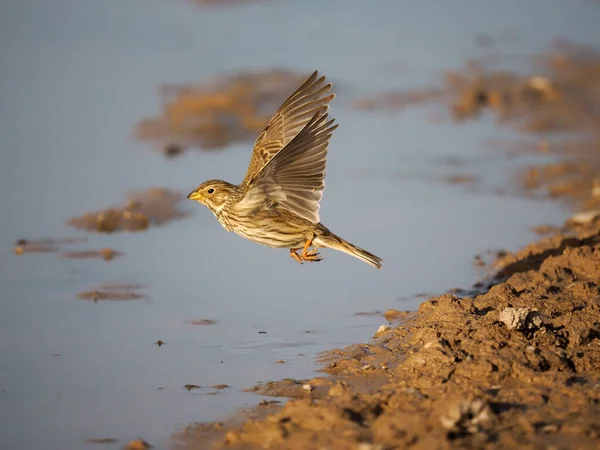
<point x="277" y="203"/>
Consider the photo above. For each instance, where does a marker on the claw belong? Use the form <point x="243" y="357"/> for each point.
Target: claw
<point x="306" y="255"/>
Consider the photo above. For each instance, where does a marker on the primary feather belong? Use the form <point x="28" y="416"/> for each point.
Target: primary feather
<point x="292" y="116"/>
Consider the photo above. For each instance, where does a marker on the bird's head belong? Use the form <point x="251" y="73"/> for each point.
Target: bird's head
<point x="213" y="194"/>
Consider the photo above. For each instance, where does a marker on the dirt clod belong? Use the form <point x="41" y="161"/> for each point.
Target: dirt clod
<point x="113" y="292"/>
<point x="218" y="112"/>
<point x="189" y="387"/>
<point x="137" y="444"/>
<point x="154" y="207"/>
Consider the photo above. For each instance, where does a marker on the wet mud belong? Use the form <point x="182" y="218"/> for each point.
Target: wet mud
<point x="107" y="254"/>
<point x="114" y="292"/>
<point x="515" y="366"/>
<point x="43" y="245"/>
<point x="137" y="444"/>
<point x="513" y="362"/>
<point x="202" y="322"/>
<point x="153" y="207"/>
<point x="59" y="245"/>
<point x="213" y="114"/>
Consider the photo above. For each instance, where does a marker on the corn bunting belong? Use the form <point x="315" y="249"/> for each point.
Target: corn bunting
<point x="277" y="203"/>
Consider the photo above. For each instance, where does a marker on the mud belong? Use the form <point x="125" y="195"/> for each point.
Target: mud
<point x="115" y="292"/>
<point x="107" y="254"/>
<point x="101" y="440"/>
<point x="137" y="444"/>
<point x="202" y="322"/>
<point x="153" y="207"/>
<point x="58" y="245"/>
<point x="516" y="366"/>
<point x="213" y="114"/>
<point x="513" y="362"/>
<point x="43" y="245"/>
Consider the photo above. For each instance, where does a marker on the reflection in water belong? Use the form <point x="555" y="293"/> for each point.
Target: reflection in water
<point x="77" y="78"/>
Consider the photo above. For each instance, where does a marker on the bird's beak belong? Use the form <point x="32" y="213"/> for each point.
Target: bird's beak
<point x="195" y="195"/>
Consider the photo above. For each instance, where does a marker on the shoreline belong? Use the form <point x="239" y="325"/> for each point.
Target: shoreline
<point x="516" y="366"/>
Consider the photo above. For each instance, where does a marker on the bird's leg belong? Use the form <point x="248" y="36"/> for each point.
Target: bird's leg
<point x="312" y="255"/>
<point x="294" y="255"/>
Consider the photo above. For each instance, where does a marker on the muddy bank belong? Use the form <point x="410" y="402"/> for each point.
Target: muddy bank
<point x="516" y="366"/>
<point x="513" y="363"/>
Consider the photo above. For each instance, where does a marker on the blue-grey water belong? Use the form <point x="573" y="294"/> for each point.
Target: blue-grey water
<point x="77" y="76"/>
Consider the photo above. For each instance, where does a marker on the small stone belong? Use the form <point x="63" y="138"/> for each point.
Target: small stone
<point x="438" y="343"/>
<point x="381" y="330"/>
<point x="535" y="318"/>
<point x="107" y="254"/>
<point x="308" y="387"/>
<point x="515" y="318"/>
<point x="467" y="415"/>
<point x="585" y="217"/>
<point x="550" y="428"/>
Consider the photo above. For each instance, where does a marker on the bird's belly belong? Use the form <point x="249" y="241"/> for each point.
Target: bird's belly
<point x="272" y="238"/>
<point x="272" y="230"/>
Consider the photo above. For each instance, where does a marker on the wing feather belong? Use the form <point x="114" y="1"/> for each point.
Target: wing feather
<point x="295" y="177"/>
<point x="308" y="100"/>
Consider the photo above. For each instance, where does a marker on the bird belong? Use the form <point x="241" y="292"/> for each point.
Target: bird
<point x="277" y="203"/>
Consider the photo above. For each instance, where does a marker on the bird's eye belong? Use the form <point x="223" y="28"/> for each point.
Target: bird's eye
<point x="210" y="191"/>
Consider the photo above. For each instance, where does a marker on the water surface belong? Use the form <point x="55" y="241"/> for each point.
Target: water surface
<point x="77" y="76"/>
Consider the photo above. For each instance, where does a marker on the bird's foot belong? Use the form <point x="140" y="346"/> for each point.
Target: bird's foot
<point x="306" y="255"/>
<point x="312" y="255"/>
<point x="295" y="255"/>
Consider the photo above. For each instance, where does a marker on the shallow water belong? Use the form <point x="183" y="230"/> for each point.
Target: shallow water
<point x="76" y="78"/>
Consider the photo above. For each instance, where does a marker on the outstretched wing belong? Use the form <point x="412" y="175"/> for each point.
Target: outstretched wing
<point x="294" y="177"/>
<point x="291" y="117"/>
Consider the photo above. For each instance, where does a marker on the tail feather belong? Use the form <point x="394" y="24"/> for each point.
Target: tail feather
<point x="332" y="241"/>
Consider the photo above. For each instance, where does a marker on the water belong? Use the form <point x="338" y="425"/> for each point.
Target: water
<point x="76" y="78"/>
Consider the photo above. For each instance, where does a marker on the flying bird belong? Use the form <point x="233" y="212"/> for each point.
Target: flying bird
<point x="277" y="203"/>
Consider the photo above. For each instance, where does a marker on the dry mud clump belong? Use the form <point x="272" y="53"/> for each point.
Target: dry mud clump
<point x="213" y="114"/>
<point x="155" y="206"/>
<point x="515" y="367"/>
